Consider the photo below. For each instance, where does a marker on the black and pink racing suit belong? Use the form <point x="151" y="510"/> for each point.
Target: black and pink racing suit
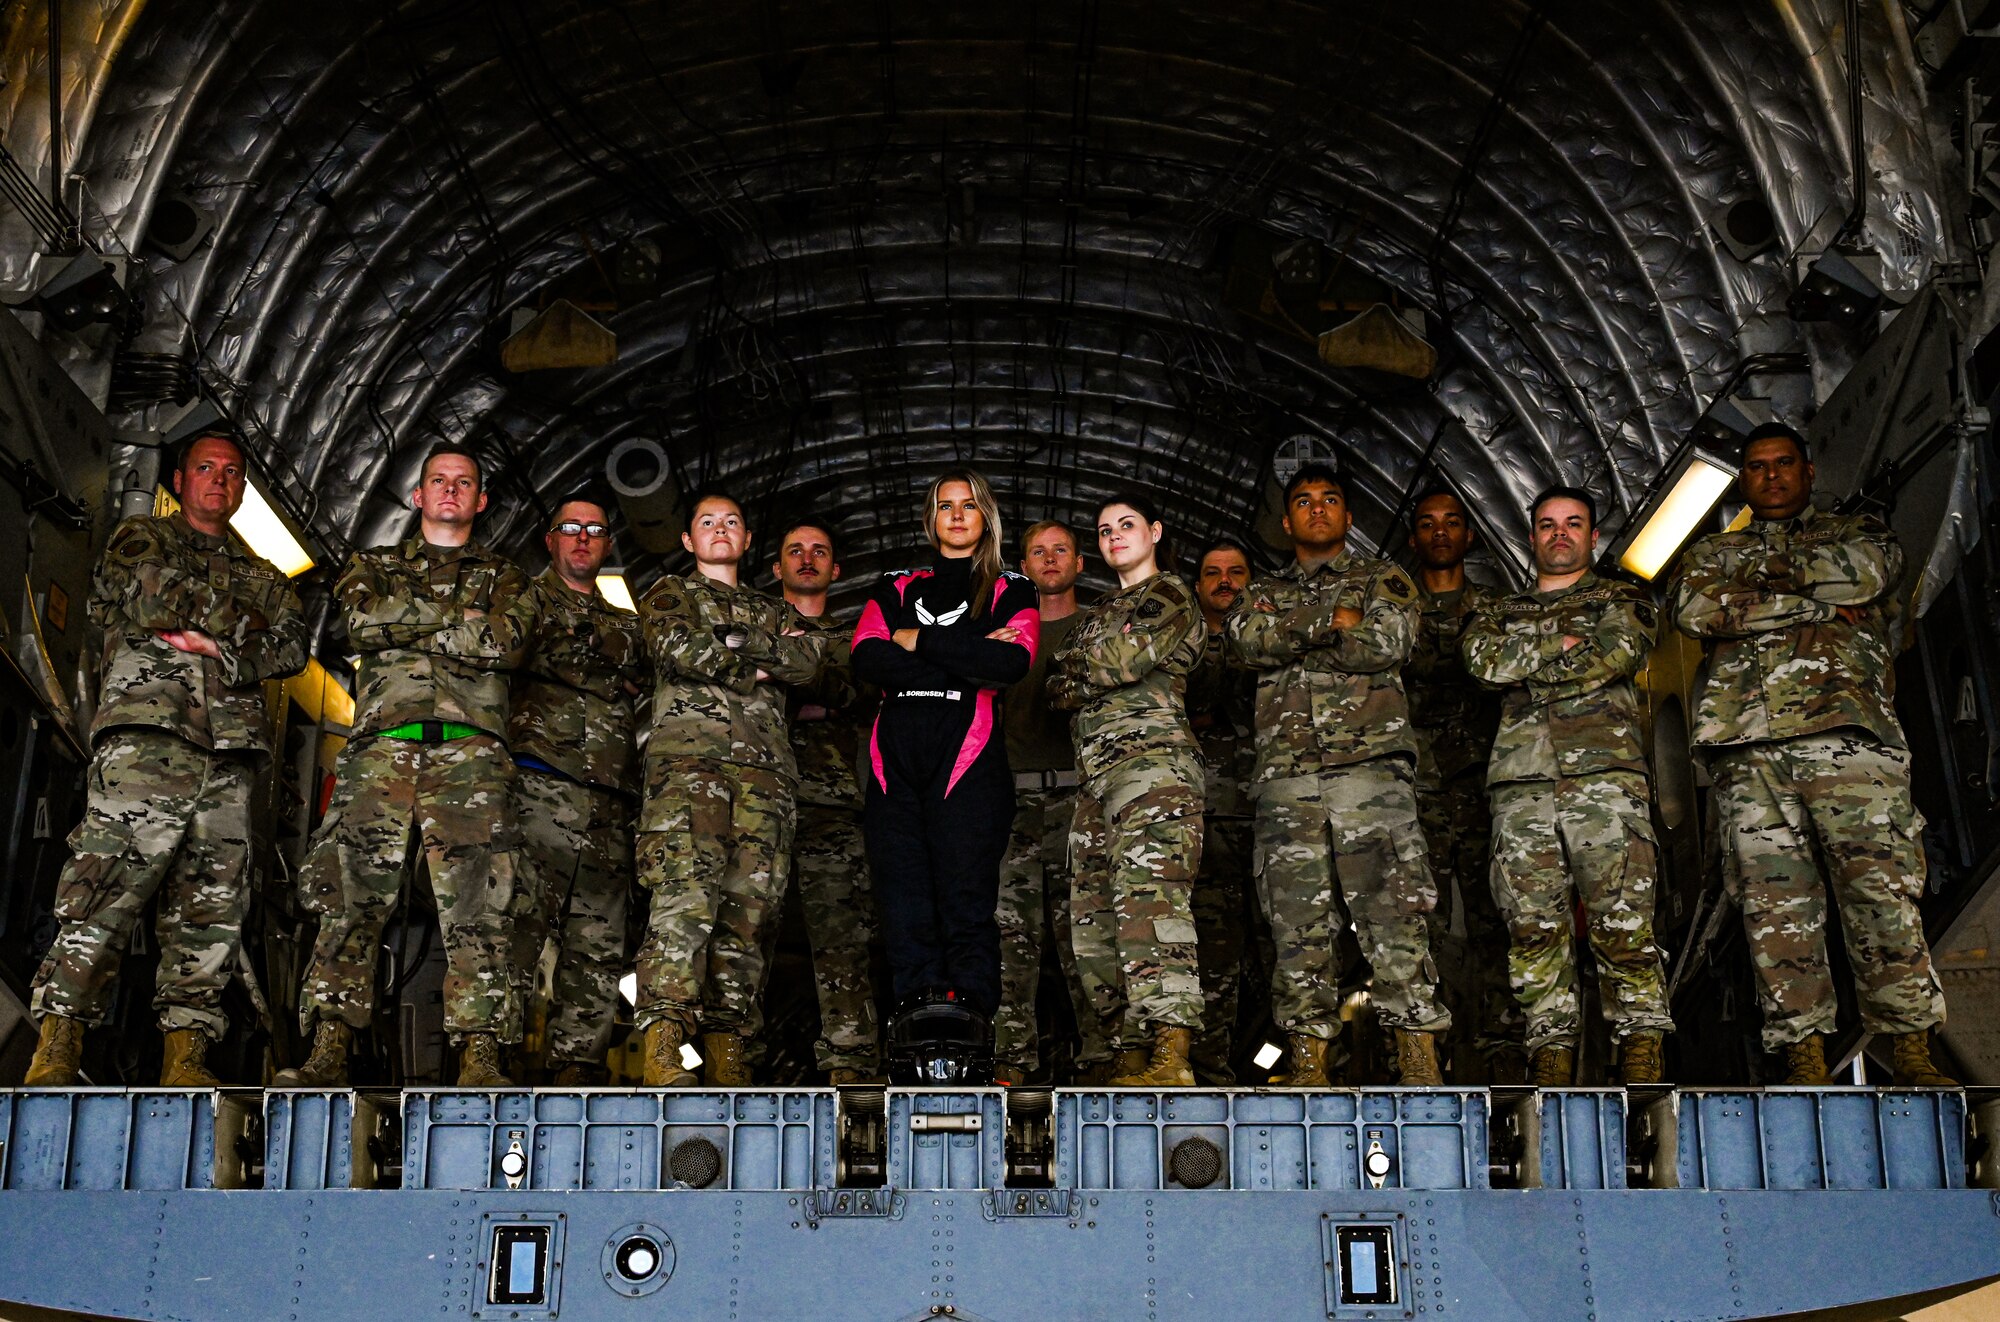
<point x="940" y="797"/>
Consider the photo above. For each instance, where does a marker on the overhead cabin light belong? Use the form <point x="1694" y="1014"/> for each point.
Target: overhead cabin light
<point x="88" y="290"/>
<point x="614" y="589"/>
<point x="1834" y="289"/>
<point x="259" y="525"/>
<point x="1679" y="505"/>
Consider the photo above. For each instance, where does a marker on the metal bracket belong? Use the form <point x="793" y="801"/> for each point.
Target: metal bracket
<point x="1061" y="1204"/>
<point x="853" y="1204"/>
<point x="1377" y="1164"/>
<point x="514" y="1162"/>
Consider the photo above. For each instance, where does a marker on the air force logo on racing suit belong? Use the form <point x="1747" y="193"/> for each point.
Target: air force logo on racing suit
<point x="950" y="617"/>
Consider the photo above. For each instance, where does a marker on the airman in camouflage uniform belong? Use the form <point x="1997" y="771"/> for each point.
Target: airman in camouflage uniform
<point x="1328" y="635"/>
<point x="1454" y="719"/>
<point x="439" y="621"/>
<point x="1034" y="902"/>
<point x="831" y="865"/>
<point x="571" y="732"/>
<point x="1136" y="841"/>
<point x="1803" y="745"/>
<point x="715" y="834"/>
<point x="1221" y="704"/>
<point x="193" y="624"/>
<point x="1571" y="803"/>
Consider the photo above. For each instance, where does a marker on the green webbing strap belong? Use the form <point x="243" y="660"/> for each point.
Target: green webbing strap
<point x="432" y="732"/>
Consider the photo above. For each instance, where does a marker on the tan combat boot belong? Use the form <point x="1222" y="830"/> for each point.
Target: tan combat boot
<point x="1168" y="1067"/>
<point x="663" y="1067"/>
<point x="1130" y="1060"/>
<point x="186" y="1062"/>
<point x="58" y="1061"/>
<point x="1642" y="1059"/>
<point x="1805" y="1063"/>
<point x="723" y="1065"/>
<point x="845" y="1078"/>
<point x="1308" y="1063"/>
<point x="1553" y="1066"/>
<point x="1910" y="1058"/>
<point x="1417" y="1059"/>
<point x="479" y="1063"/>
<point x="326" y="1067"/>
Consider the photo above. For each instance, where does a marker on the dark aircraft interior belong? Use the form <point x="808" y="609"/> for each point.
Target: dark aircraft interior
<point x="819" y="254"/>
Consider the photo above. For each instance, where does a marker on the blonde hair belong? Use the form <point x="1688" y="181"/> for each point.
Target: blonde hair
<point x="986" y="563"/>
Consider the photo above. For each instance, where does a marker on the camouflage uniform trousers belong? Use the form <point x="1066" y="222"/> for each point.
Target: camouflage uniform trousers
<point x="1852" y="795"/>
<point x="1468" y="935"/>
<point x="839" y="906"/>
<point x="456" y="798"/>
<point x="1034" y="897"/>
<point x="714" y="865"/>
<point x="1356" y="824"/>
<point x="577" y="842"/>
<point x="1222" y="928"/>
<point x="1136" y="846"/>
<point x="159" y="810"/>
<point x="1593" y="833"/>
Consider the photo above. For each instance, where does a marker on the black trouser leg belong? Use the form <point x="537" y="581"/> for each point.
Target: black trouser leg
<point x="899" y="862"/>
<point x="968" y="838"/>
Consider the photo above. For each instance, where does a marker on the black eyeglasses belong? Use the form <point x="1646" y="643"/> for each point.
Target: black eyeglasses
<point x="571" y="528"/>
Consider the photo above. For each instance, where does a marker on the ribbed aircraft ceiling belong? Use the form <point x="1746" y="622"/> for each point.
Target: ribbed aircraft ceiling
<point x="845" y="245"/>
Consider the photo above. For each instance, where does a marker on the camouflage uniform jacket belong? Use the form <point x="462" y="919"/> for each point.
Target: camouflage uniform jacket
<point x="1327" y="697"/>
<point x="1454" y="717"/>
<point x="438" y="628"/>
<point x="826" y="723"/>
<point x="707" y="700"/>
<point x="1124" y="669"/>
<point x="1572" y="712"/>
<point x="160" y="575"/>
<point x="1222" y="706"/>
<point x="572" y="699"/>
<point x="1785" y="663"/>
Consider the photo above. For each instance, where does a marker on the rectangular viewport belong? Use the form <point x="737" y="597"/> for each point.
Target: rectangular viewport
<point x="1367" y="1264"/>
<point x="520" y="1265"/>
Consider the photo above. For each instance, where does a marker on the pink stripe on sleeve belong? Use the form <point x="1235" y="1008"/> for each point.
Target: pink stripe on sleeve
<point x="871" y="625"/>
<point x="1029" y="624"/>
<point x="976" y="737"/>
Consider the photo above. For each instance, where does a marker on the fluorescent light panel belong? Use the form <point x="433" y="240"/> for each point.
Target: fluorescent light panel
<point x="259" y="525"/>
<point x="616" y="591"/>
<point x="1673" y="519"/>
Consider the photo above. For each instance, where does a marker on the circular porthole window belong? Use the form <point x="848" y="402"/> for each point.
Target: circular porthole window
<point x="637" y="1259"/>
